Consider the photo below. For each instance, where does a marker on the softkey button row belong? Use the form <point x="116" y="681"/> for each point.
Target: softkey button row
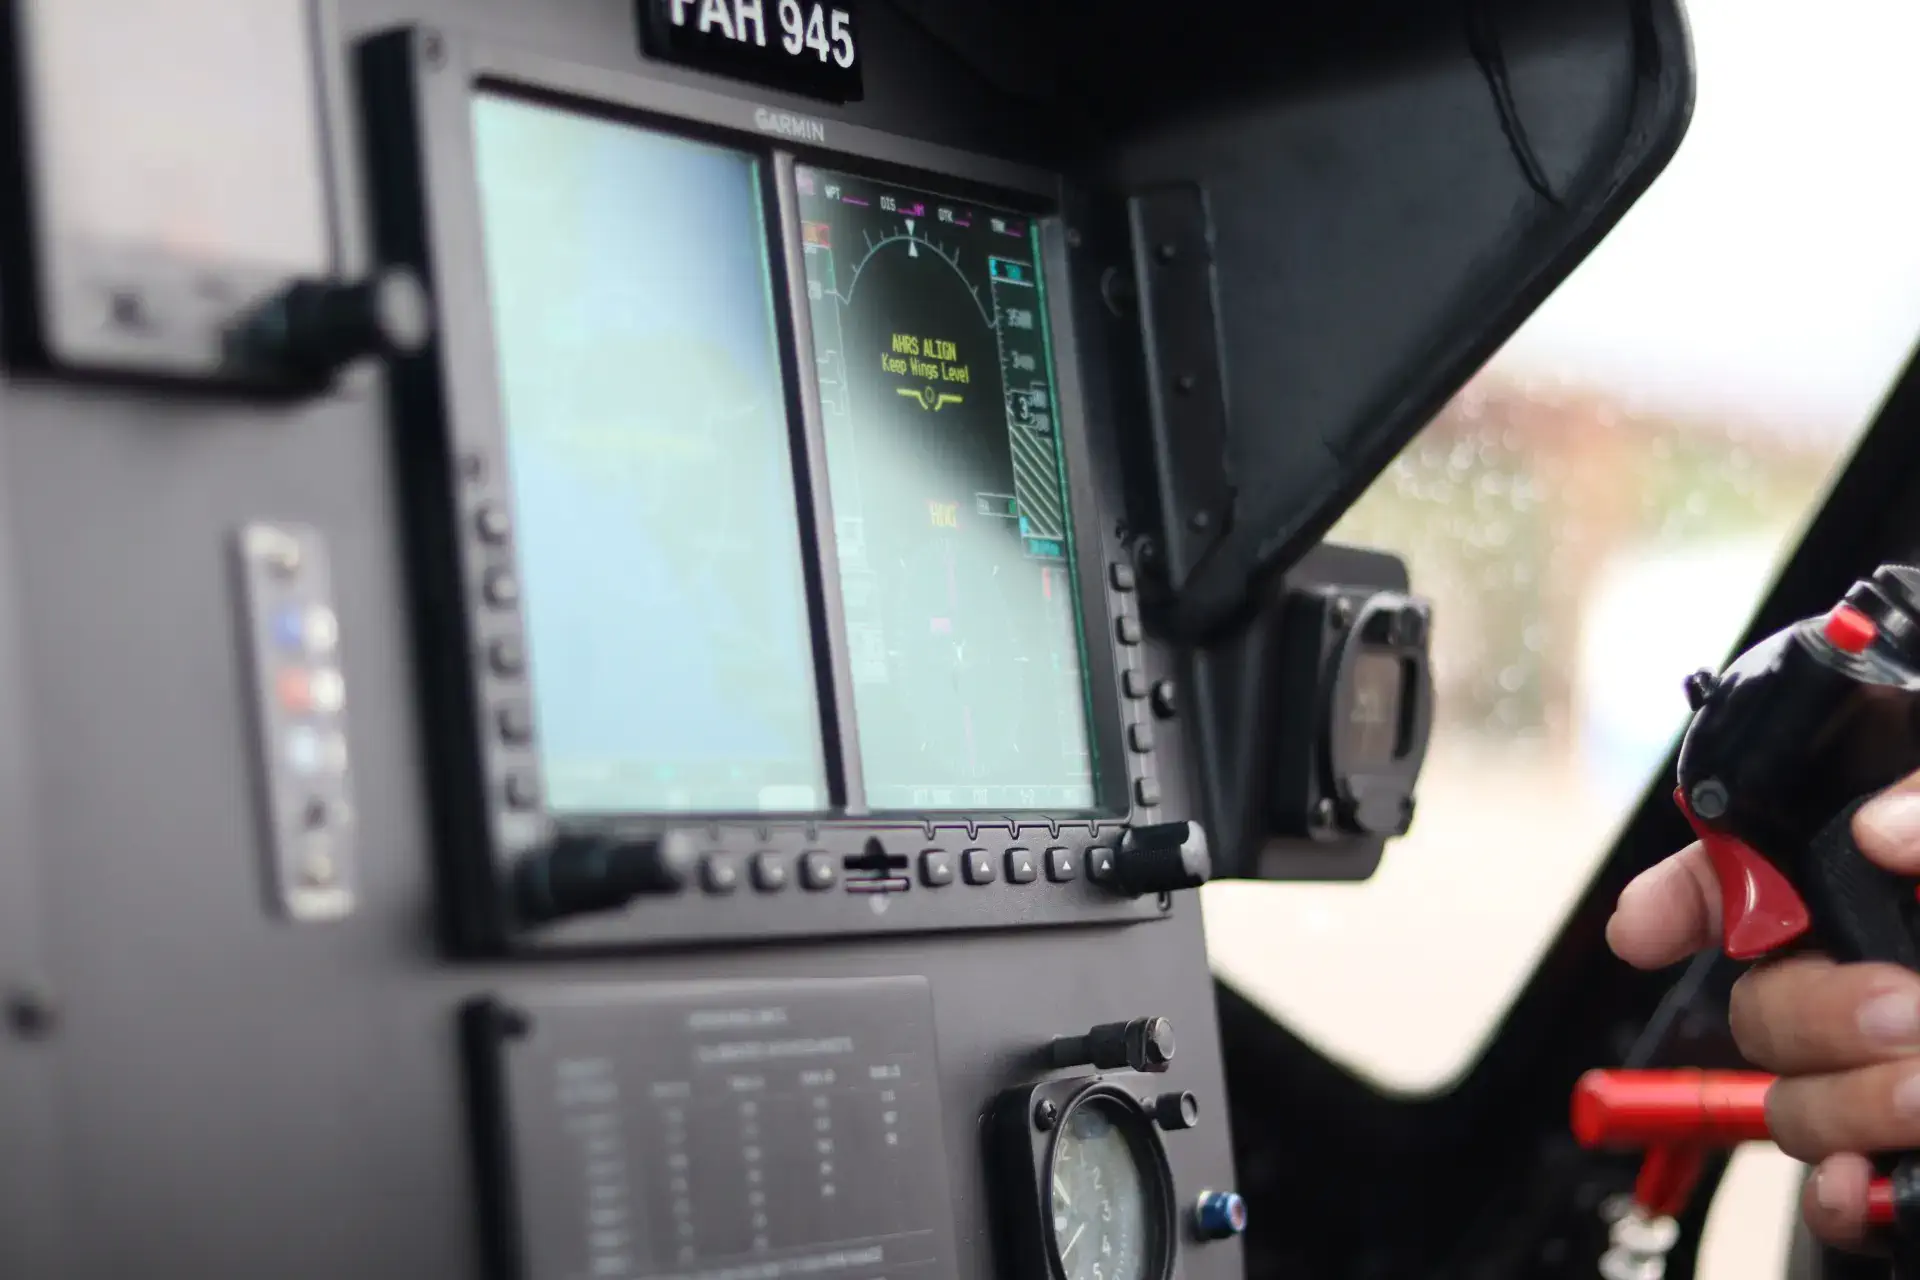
<point x="936" y="868"/>
<point x="1021" y="867"/>
<point x="817" y="872"/>
<point x="978" y="867"/>
<point x="1100" y="865"/>
<point x="516" y="724"/>
<point x="719" y="873"/>
<point x="501" y="588"/>
<point x="769" y="872"/>
<point x="507" y="657"/>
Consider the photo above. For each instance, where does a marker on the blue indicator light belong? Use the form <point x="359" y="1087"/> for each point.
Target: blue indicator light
<point x="290" y="628"/>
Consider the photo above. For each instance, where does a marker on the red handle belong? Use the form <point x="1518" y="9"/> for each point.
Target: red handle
<point x="1677" y="1116"/>
<point x="1880" y="1202"/>
<point x="1639" y="1109"/>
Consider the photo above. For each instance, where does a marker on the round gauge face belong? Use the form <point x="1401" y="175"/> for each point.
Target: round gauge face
<point x="1102" y="1203"/>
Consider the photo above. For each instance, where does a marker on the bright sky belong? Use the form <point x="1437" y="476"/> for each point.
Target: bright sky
<point x="1774" y="268"/>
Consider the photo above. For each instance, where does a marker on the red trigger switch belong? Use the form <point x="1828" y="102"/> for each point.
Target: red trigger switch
<point x="1759" y="911"/>
<point x="1849" y="630"/>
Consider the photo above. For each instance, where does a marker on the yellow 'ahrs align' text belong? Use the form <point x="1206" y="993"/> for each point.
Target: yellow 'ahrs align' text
<point x="934" y="360"/>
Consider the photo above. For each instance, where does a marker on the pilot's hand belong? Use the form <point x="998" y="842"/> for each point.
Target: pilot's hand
<point x="1845" y="1039"/>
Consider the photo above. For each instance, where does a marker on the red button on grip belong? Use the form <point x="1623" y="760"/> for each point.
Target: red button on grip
<point x="1849" y="630"/>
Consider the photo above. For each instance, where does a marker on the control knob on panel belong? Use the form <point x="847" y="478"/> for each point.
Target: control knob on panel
<point x="314" y="328"/>
<point x="1174" y="1111"/>
<point x="1142" y="1044"/>
<point x="579" y="874"/>
<point x="1164" y="858"/>
<point x="1218" y="1215"/>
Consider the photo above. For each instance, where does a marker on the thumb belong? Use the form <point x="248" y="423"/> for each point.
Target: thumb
<point x="1888" y="827"/>
<point x="1669" y="912"/>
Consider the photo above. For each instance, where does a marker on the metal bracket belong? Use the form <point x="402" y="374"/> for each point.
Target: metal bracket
<point x="1180" y="331"/>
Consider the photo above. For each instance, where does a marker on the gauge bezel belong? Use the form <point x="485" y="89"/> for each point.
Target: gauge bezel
<point x="1143" y="1139"/>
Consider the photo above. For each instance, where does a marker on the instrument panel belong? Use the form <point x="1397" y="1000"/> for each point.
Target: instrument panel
<point x="861" y="651"/>
<point x="640" y="637"/>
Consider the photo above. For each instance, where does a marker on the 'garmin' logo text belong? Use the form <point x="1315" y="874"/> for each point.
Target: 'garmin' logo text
<point x="789" y="125"/>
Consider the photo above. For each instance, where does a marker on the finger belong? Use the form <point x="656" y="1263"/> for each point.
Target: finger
<point x="1834" y="1201"/>
<point x="1806" y="1015"/>
<point x="1888" y="827"/>
<point x="1669" y="912"/>
<point x="1868" y="1109"/>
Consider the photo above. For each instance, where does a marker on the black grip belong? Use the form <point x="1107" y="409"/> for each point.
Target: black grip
<point x="1860" y="910"/>
<point x="1863" y="912"/>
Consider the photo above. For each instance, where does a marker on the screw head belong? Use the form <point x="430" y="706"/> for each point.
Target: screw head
<point x="1710" y="799"/>
<point x="1046" y="1114"/>
<point x="30" y="1014"/>
<point x="1073" y="237"/>
<point x="433" y="49"/>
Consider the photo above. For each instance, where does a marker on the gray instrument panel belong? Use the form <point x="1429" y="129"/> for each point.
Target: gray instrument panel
<point x="192" y="1085"/>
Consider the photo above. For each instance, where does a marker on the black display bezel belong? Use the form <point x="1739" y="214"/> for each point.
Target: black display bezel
<point x="419" y="85"/>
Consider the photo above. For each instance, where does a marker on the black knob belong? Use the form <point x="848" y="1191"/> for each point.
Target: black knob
<point x="1166" y="699"/>
<point x="589" y="873"/>
<point x="1163" y="858"/>
<point x="1144" y="1044"/>
<point x="1179" y="1110"/>
<point x="313" y="328"/>
<point x="1700" y="686"/>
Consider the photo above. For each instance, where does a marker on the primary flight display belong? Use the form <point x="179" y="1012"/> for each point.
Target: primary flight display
<point x="949" y="498"/>
<point x="649" y="429"/>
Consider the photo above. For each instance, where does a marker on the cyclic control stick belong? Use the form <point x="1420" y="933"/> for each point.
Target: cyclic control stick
<point x="1784" y="748"/>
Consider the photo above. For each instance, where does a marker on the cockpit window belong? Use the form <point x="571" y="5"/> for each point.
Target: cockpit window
<point x="1598" y="514"/>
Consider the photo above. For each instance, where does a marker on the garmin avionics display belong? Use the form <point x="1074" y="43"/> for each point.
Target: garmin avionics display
<point x="949" y="501"/>
<point x="668" y="644"/>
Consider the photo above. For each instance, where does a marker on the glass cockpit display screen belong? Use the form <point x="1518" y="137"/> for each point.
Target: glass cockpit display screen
<point x="949" y="499"/>
<point x="657" y="530"/>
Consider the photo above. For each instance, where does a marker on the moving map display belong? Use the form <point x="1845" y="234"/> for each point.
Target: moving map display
<point x="949" y="500"/>
<point x="646" y="419"/>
